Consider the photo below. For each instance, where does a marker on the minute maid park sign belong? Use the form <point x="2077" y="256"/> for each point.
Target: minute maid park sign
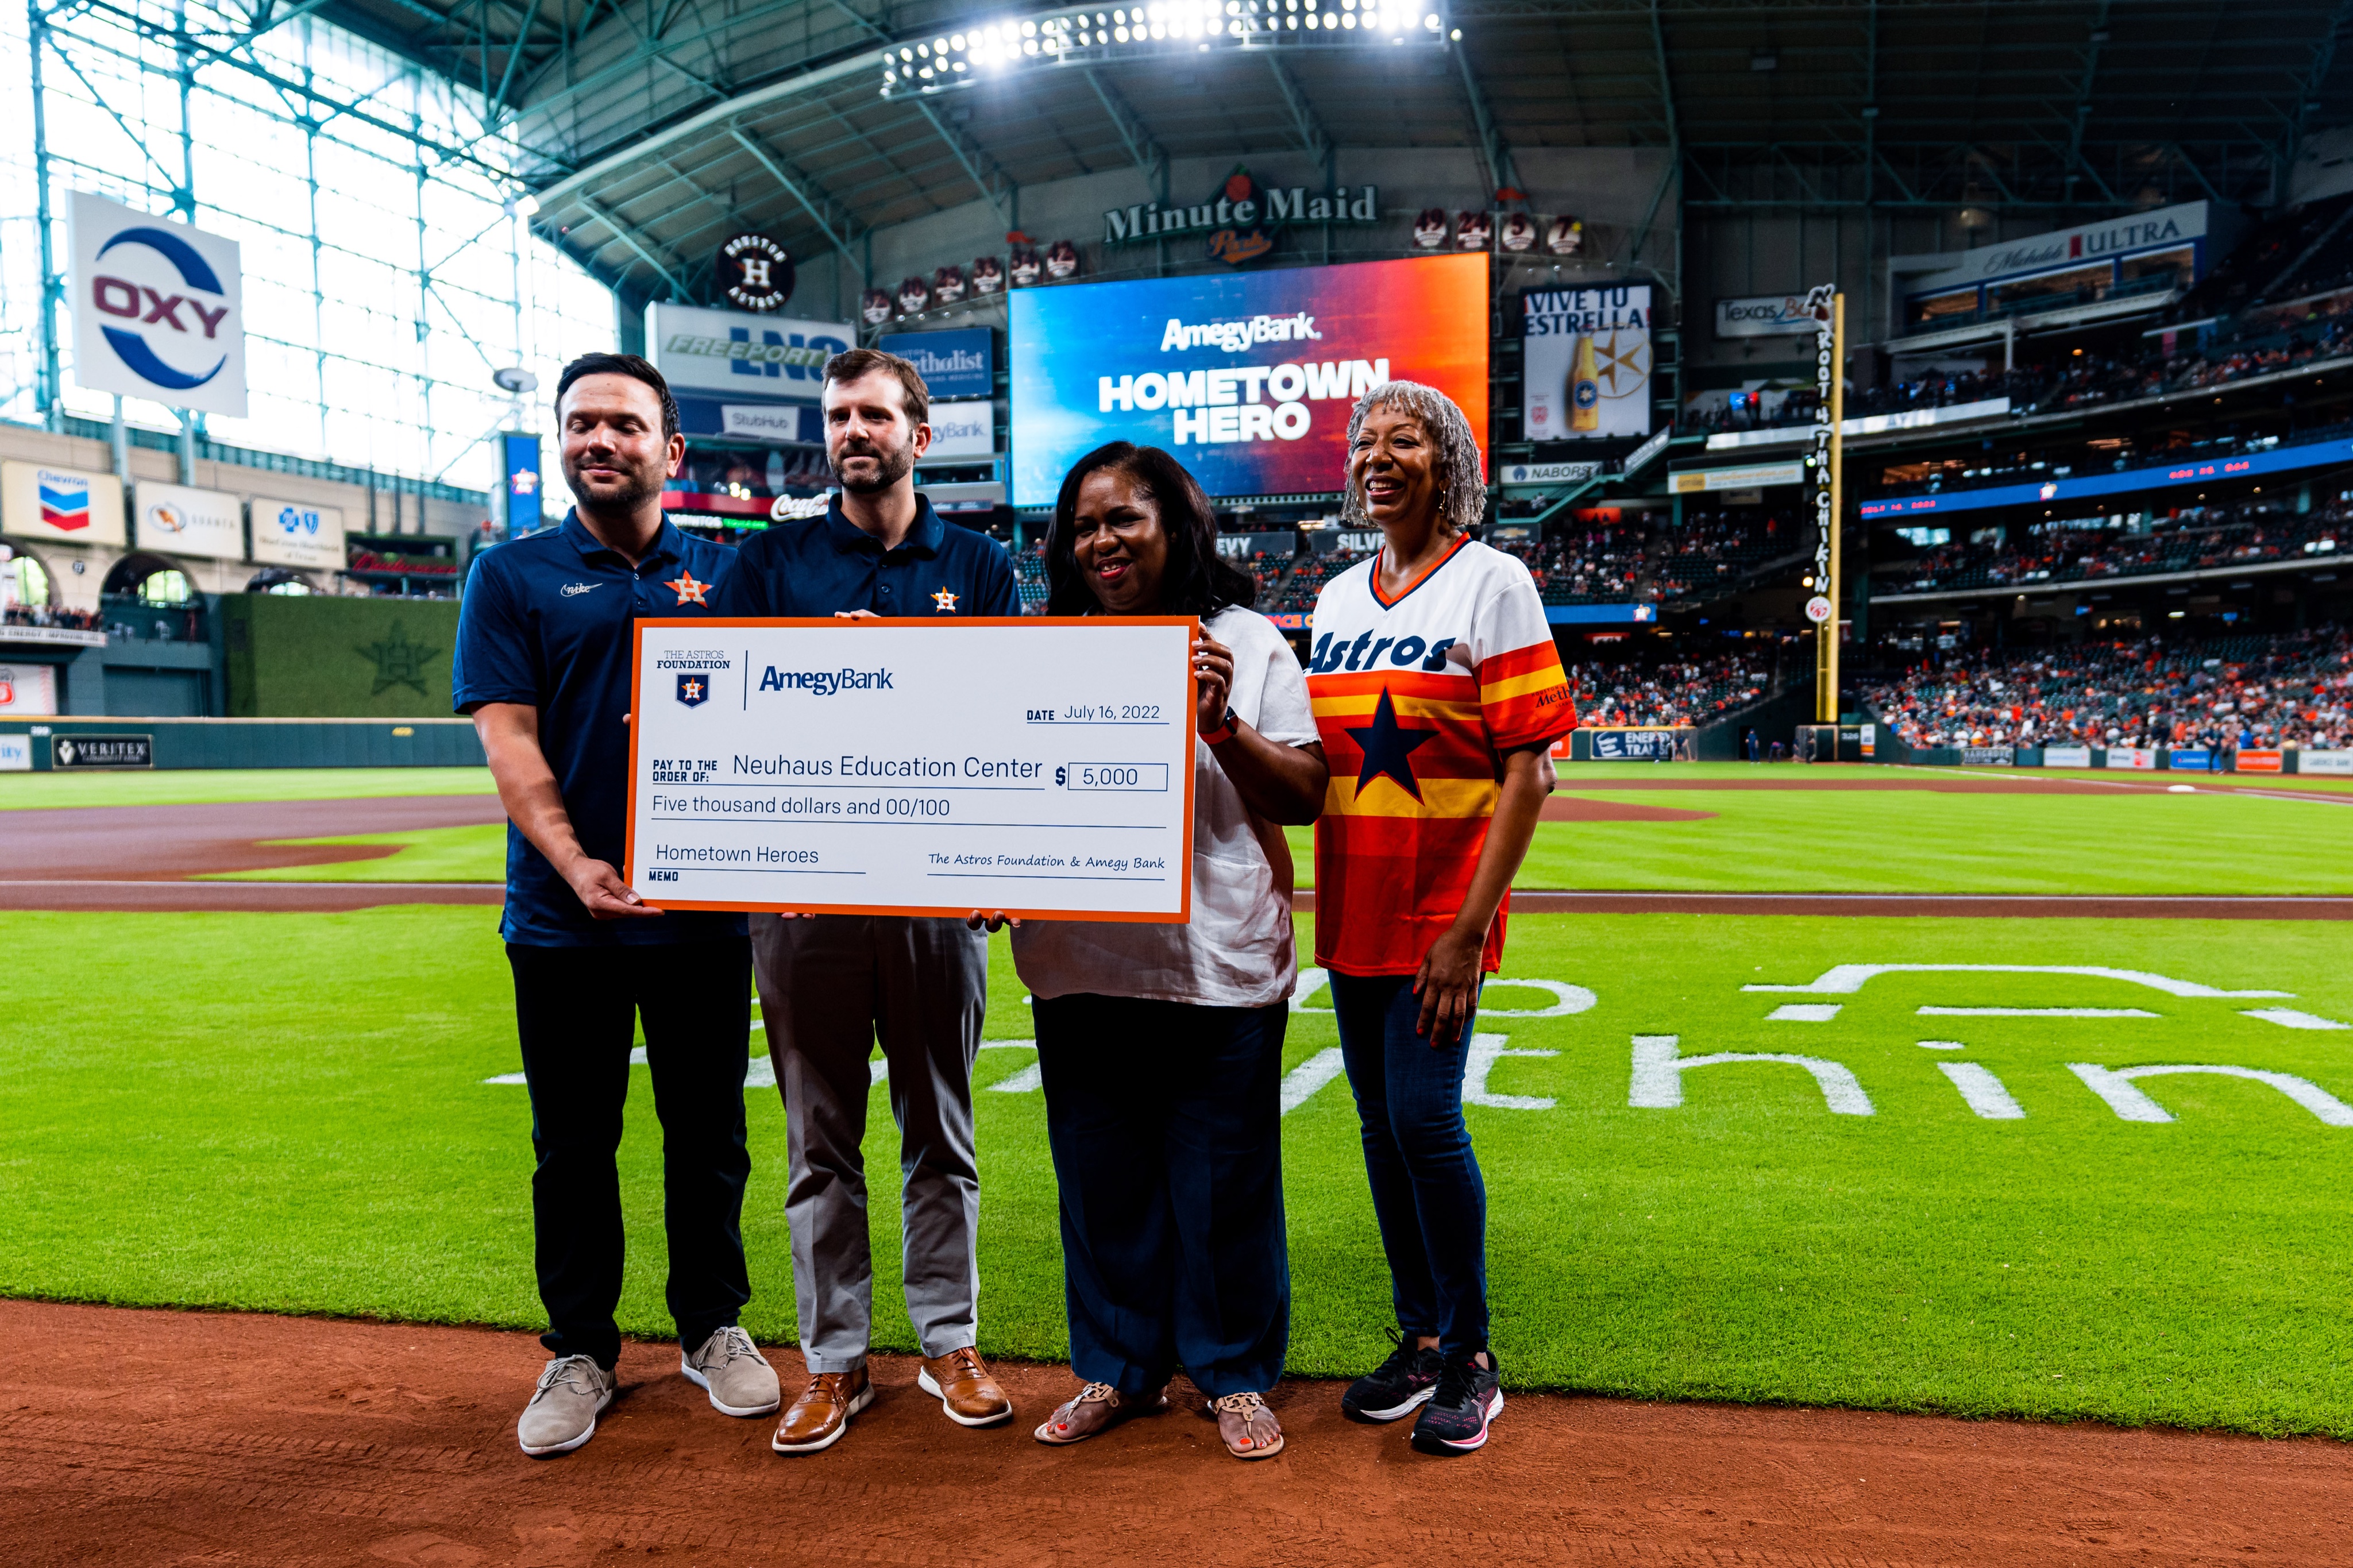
<point x="1240" y="217"/>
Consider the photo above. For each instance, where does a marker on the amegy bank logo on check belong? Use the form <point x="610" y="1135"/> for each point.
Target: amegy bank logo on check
<point x="825" y="682"/>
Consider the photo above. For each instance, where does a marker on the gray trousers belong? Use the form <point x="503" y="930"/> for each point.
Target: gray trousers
<point x="829" y="985"/>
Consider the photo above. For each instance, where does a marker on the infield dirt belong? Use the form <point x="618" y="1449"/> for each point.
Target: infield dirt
<point x="148" y="1437"/>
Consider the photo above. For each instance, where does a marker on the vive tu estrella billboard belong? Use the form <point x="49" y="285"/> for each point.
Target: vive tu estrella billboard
<point x="1247" y="378"/>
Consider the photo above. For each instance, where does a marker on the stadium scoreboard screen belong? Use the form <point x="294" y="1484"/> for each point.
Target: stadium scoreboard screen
<point x="1247" y="378"/>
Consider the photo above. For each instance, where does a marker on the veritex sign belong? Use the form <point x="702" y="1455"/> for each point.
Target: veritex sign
<point x="1239" y="218"/>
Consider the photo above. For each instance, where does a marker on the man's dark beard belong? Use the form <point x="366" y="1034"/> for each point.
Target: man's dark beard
<point x="644" y="484"/>
<point x="892" y="465"/>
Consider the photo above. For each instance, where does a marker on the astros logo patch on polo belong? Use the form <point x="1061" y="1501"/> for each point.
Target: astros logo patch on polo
<point x="688" y="591"/>
<point x="693" y="689"/>
<point x="943" y="602"/>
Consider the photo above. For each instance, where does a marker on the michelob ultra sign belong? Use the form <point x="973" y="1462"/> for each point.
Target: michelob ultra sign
<point x="1586" y="372"/>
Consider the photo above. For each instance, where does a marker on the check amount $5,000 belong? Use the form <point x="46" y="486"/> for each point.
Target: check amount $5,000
<point x="915" y="767"/>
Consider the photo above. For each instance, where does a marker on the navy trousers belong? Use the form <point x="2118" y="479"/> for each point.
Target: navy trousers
<point x="1166" y="1122"/>
<point x="1427" y="1195"/>
<point x="576" y="1009"/>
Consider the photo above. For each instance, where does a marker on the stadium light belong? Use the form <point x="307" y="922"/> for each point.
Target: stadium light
<point x="1126" y="31"/>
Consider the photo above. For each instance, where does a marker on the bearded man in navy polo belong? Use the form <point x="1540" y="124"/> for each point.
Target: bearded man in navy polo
<point x="543" y="665"/>
<point x="830" y="984"/>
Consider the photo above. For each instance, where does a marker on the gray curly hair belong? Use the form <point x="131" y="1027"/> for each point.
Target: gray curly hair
<point x="1461" y="493"/>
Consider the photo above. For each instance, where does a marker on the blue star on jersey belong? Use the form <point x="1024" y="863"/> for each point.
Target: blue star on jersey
<point x="1387" y="744"/>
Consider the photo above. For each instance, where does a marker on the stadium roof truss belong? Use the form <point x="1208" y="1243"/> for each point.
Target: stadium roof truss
<point x="654" y="128"/>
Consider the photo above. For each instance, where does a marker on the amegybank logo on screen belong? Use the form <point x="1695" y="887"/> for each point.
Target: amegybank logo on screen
<point x="825" y="682"/>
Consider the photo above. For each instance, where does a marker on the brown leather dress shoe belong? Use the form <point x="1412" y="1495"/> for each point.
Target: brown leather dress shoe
<point x="821" y="1415"/>
<point x="965" y="1391"/>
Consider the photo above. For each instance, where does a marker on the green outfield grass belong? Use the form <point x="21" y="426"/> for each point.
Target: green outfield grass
<point x="209" y="786"/>
<point x="1925" y="841"/>
<point x="476" y="853"/>
<point x="287" y="1112"/>
<point x="2096" y="841"/>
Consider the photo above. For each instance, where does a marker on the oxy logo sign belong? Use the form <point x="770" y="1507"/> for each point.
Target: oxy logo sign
<point x="158" y="309"/>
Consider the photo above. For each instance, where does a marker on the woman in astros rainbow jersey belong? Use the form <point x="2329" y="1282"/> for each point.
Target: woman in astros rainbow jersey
<point x="1438" y="696"/>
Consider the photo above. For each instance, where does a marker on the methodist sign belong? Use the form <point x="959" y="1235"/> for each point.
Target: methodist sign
<point x="158" y="309"/>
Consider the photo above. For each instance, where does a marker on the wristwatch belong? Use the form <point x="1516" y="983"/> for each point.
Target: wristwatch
<point x="1225" y="729"/>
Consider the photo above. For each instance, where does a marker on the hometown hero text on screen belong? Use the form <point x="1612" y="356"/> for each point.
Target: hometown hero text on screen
<point x="1247" y="377"/>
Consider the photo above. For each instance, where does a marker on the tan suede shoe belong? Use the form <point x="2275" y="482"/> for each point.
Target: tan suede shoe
<point x="961" y="1382"/>
<point x="821" y="1415"/>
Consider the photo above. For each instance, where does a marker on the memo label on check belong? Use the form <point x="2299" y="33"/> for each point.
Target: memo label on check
<point x="1040" y="766"/>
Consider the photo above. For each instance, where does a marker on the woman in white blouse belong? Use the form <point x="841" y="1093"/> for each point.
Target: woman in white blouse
<point x="1161" y="1046"/>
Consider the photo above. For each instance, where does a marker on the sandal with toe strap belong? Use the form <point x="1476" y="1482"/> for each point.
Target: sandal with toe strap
<point x="1248" y="1426"/>
<point x="1095" y="1409"/>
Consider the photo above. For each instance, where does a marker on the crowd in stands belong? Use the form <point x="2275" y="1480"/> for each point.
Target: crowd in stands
<point x="1587" y="563"/>
<point x="2107" y="455"/>
<point x="2248" y="692"/>
<point x="47" y="616"/>
<point x="2188" y="539"/>
<point x="1719" y="547"/>
<point x="1667" y="691"/>
<point x="2272" y="340"/>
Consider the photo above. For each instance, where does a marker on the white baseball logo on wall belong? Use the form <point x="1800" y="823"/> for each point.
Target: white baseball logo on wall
<point x="158" y="309"/>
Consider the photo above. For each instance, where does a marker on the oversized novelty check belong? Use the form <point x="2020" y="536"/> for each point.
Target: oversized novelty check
<point x="1040" y="766"/>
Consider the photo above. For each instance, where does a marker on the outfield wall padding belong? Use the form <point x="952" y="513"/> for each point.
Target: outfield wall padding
<point x="275" y="743"/>
<point x="321" y="657"/>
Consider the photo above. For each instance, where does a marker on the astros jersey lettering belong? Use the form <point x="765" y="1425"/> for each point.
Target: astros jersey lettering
<point x="1416" y="696"/>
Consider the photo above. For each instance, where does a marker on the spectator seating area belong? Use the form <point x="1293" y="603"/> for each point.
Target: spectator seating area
<point x="1670" y="690"/>
<point x="44" y="616"/>
<point x="2265" y="341"/>
<point x="2289" y="690"/>
<point x="2189" y="539"/>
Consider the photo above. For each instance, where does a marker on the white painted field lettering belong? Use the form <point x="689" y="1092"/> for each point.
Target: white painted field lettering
<point x="1846" y="979"/>
<point x="1803" y="1013"/>
<point x="2115" y="1085"/>
<point x="1567" y="1000"/>
<point x="1300" y="1084"/>
<point x="2289" y="1018"/>
<point x="1486" y="1051"/>
<point x="2035" y="1013"/>
<point x="1982" y="1092"/>
<point x="1028" y="1081"/>
<point x="1656" y="1082"/>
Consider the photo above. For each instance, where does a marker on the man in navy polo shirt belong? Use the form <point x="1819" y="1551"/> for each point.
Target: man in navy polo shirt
<point x="830" y="983"/>
<point x="543" y="664"/>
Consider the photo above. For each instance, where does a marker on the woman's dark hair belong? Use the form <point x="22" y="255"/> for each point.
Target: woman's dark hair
<point x="1198" y="581"/>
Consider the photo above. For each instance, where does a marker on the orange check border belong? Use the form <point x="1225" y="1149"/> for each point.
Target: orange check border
<point x="853" y="628"/>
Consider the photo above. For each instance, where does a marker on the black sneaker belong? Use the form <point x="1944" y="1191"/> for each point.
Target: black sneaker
<point x="1468" y="1396"/>
<point x="1393" y="1389"/>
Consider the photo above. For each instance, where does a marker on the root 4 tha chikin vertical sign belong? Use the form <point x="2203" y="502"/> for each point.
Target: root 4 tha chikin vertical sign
<point x="1827" y="306"/>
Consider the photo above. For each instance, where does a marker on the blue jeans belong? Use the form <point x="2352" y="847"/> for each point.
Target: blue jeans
<point x="1427" y="1191"/>
<point x="1165" y="1120"/>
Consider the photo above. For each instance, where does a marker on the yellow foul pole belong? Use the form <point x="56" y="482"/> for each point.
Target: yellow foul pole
<point x="1826" y="657"/>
